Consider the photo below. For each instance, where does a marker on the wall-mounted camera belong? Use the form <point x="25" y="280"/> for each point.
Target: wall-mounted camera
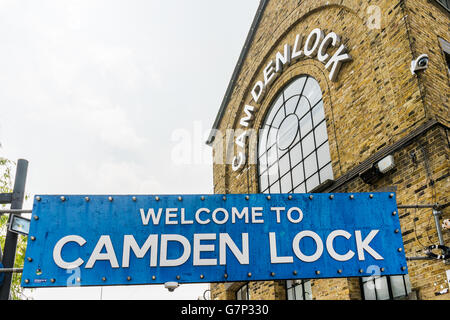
<point x="421" y="63"/>
<point x="171" y="286"/>
<point x="446" y="224"/>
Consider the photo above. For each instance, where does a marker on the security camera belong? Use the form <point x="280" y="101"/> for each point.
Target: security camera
<point x="446" y="224"/>
<point x="171" y="286"/>
<point x="421" y="63"/>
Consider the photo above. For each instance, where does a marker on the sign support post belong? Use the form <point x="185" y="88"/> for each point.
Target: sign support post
<point x="9" y="252"/>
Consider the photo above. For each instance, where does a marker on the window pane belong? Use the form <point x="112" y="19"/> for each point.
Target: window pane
<point x="272" y="156"/>
<point x="287" y="132"/>
<point x="275" y="188"/>
<point x="312" y="182"/>
<point x="273" y="174"/>
<point x="305" y="125"/>
<point x="369" y="290"/>
<point x="397" y="286"/>
<point x="277" y="104"/>
<point x="284" y="164"/>
<point x="294" y="88"/>
<point x="290" y="294"/>
<point x="262" y="146"/>
<point x="310" y="165"/>
<point x="382" y="288"/>
<point x="289" y="283"/>
<point x="326" y="173"/>
<point x="300" y="189"/>
<point x="323" y="155"/>
<point x="312" y="91"/>
<point x="296" y="155"/>
<point x="299" y="292"/>
<point x="286" y="184"/>
<point x="308" y="290"/>
<point x="279" y="116"/>
<point x="302" y="107"/>
<point x="272" y="137"/>
<point x="408" y="284"/>
<point x="308" y="144"/>
<point x="318" y="113"/>
<point x="263" y="181"/>
<point x="297" y="175"/>
<point x="291" y="104"/>
<point x="321" y="133"/>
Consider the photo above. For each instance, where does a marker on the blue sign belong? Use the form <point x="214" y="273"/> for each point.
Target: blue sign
<point x="78" y="240"/>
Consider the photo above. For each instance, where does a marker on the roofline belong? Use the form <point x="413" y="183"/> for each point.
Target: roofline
<point x="237" y="69"/>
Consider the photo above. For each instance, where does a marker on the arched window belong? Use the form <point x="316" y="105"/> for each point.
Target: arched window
<point x="293" y="149"/>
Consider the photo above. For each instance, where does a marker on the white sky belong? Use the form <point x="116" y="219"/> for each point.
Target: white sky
<point x="100" y="96"/>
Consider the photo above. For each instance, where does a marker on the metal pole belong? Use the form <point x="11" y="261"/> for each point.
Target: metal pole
<point x="436" y="215"/>
<point x="9" y="252"/>
<point x="19" y="211"/>
<point x="417" y="206"/>
<point x="418" y="258"/>
<point x="11" y="270"/>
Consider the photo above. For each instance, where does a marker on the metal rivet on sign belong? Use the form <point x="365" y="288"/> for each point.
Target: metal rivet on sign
<point x="272" y="274"/>
<point x="339" y="271"/>
<point x="396" y="231"/>
<point x="352" y="196"/>
<point x="153" y="277"/>
<point x="268" y="197"/>
<point x="129" y="278"/>
<point x="403" y="268"/>
<point x="180" y="198"/>
<point x="104" y="279"/>
<point x="289" y="197"/>
<point x="361" y="270"/>
<point x="29" y="259"/>
<point x="63" y="198"/>
<point x="178" y="277"/>
<point x="78" y="279"/>
<point x="381" y="269"/>
<point x="247" y="197"/>
<point x="225" y="276"/>
<point x="249" y="274"/>
<point x="36" y="218"/>
<point x="317" y="272"/>
<point x="399" y="249"/>
<point x="27" y="281"/>
<point x="371" y="196"/>
<point x="33" y="238"/>
<point x="202" y="276"/>
<point x="157" y="198"/>
<point x="203" y="198"/>
<point x="87" y="199"/>
<point x="224" y="198"/>
<point x="38" y="198"/>
<point x="311" y="197"/>
<point x="110" y="198"/>
<point x="331" y="196"/>
<point x="52" y="280"/>
<point x="294" y="272"/>
<point x="134" y="198"/>
<point x="394" y="213"/>
<point x="391" y="195"/>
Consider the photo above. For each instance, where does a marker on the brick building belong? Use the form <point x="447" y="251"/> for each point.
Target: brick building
<point x="322" y="92"/>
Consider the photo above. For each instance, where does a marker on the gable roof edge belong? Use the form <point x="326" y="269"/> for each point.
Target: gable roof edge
<point x="237" y="69"/>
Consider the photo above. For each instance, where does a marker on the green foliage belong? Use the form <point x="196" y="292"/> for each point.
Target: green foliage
<point x="6" y="167"/>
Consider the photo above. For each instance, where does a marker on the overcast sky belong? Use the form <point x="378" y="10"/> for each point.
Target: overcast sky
<point x="116" y="97"/>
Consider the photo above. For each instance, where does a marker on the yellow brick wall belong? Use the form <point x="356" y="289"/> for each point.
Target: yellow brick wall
<point x="375" y="103"/>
